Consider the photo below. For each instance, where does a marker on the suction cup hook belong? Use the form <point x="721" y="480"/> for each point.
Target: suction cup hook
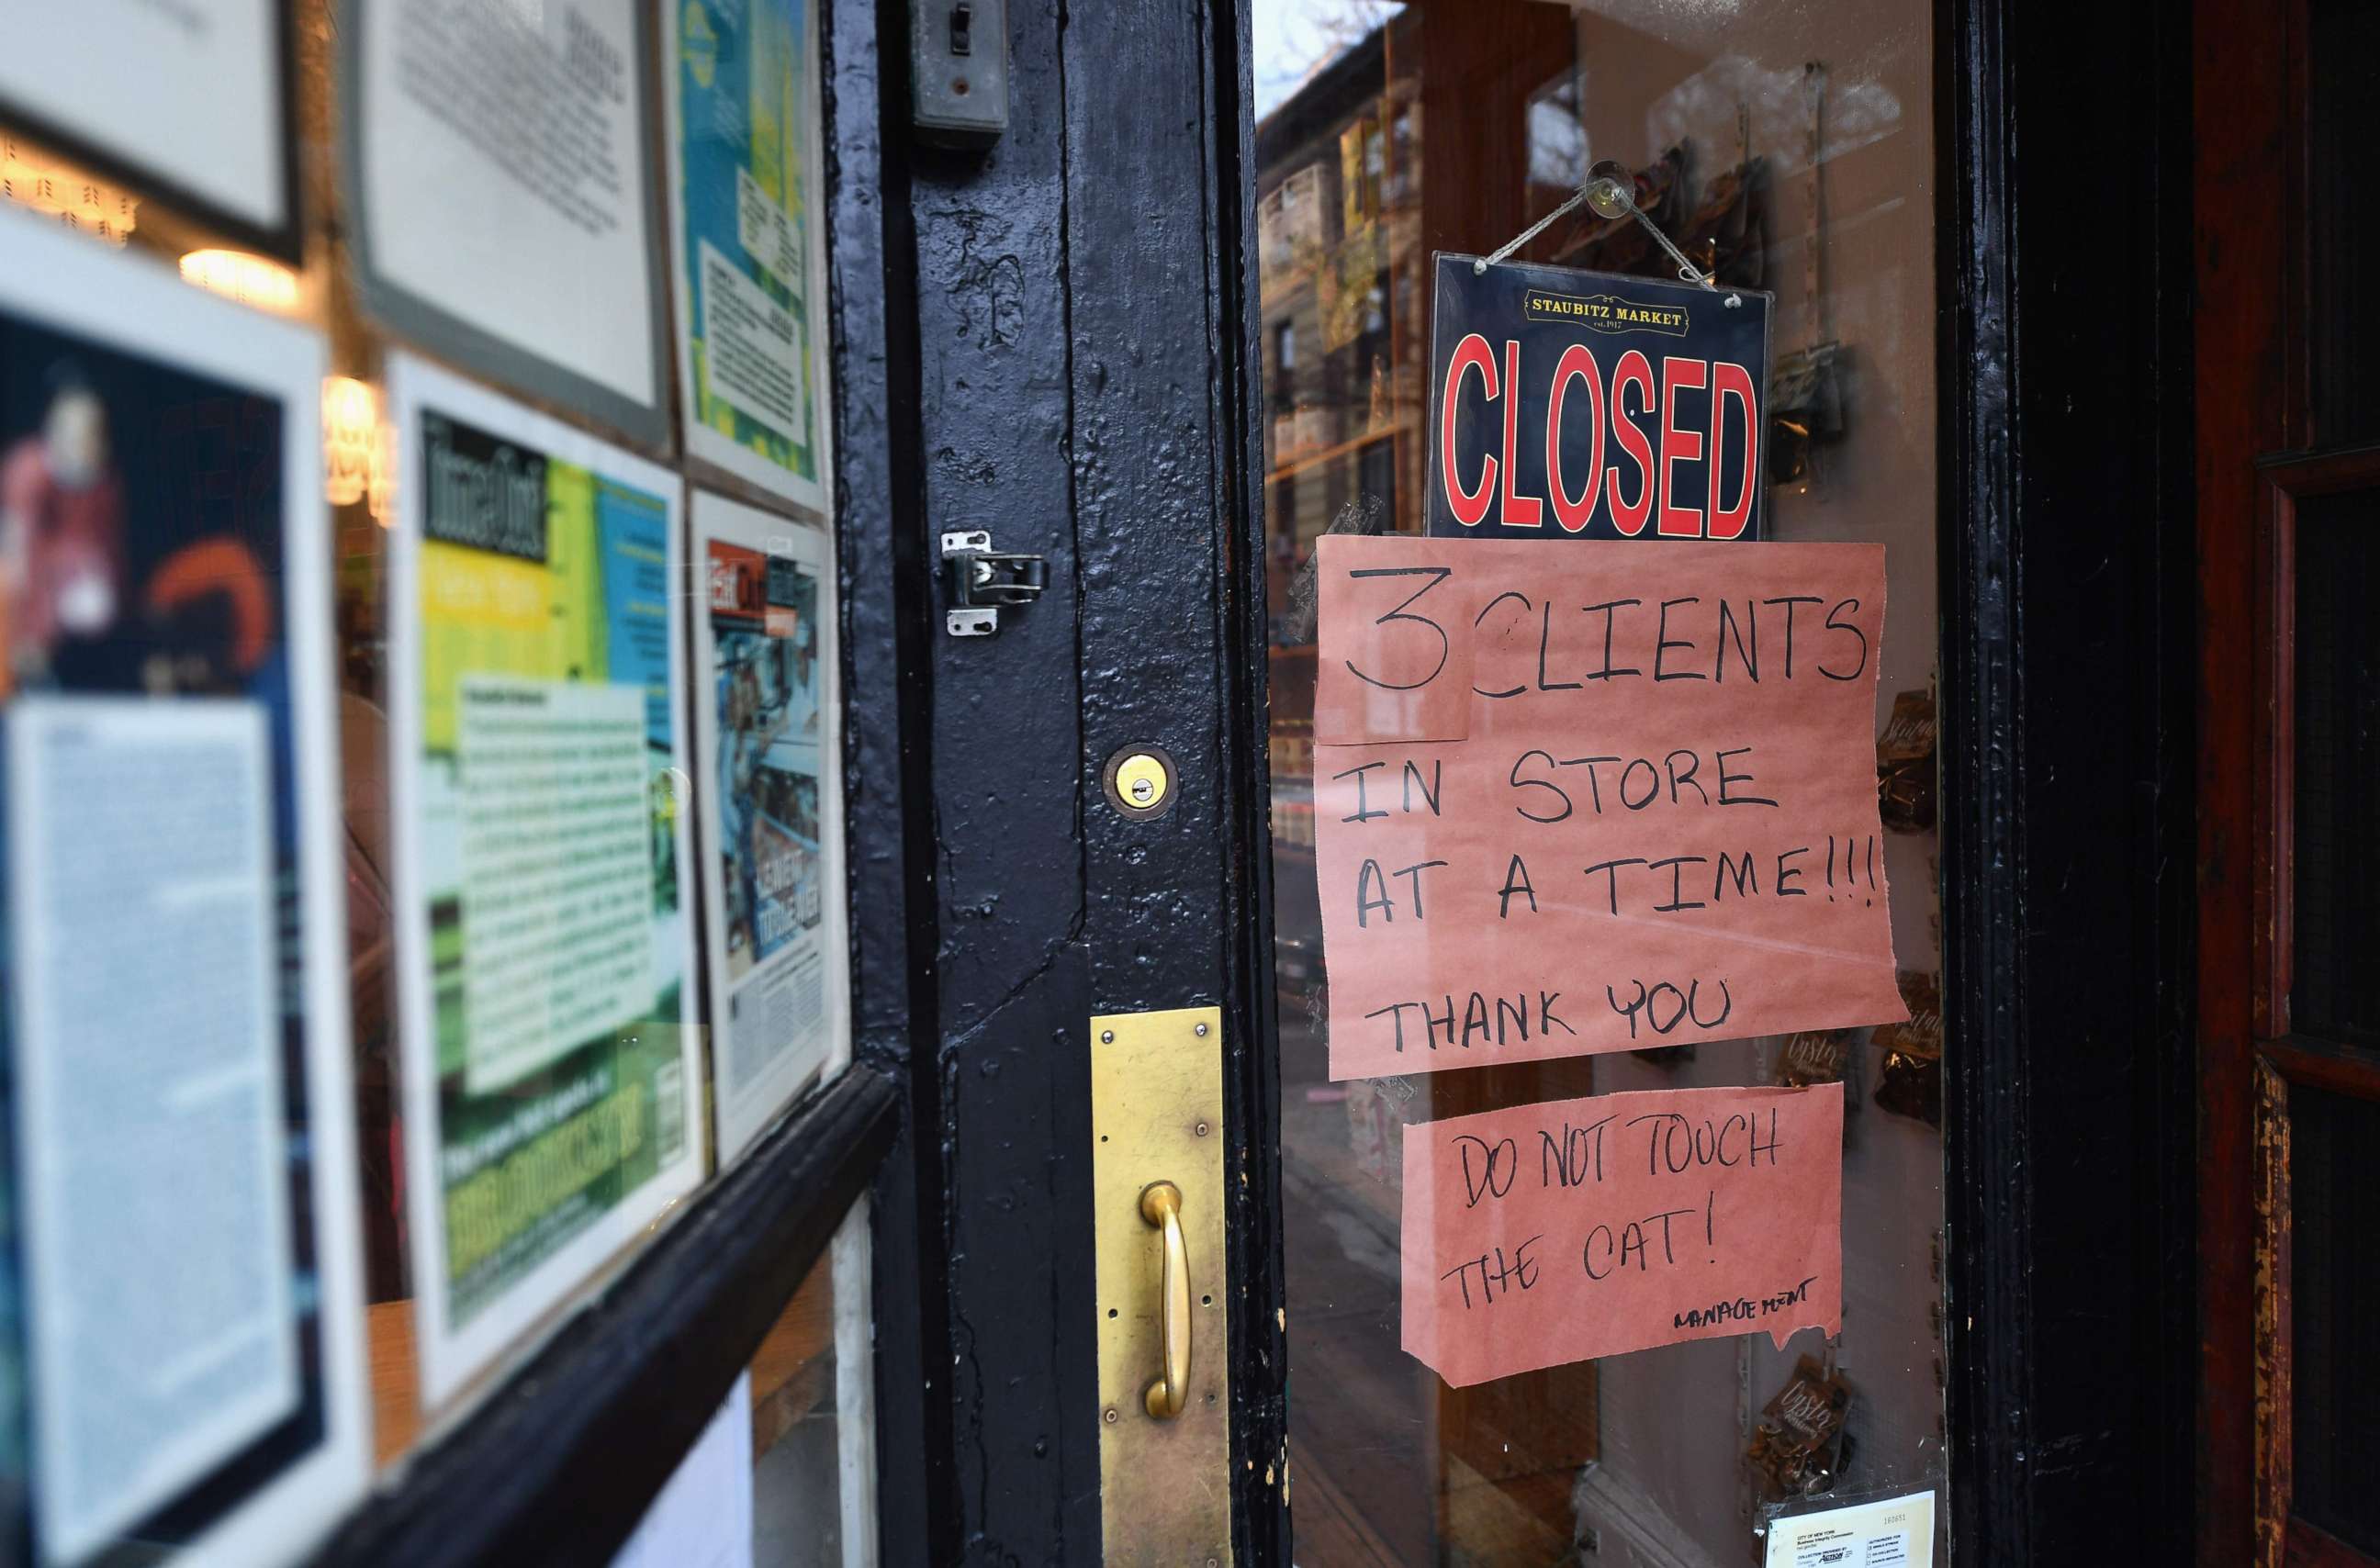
<point x="1610" y="189"/>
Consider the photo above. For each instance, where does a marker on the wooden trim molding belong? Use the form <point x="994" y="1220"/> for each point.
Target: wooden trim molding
<point x="2067" y="645"/>
<point x="2273" y="1343"/>
<point x="560" y="1462"/>
<point x="2281" y="484"/>
<point x="2309" y="1546"/>
<point x="2244" y="381"/>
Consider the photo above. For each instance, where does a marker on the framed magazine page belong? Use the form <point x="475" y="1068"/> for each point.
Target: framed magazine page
<point x="538" y="742"/>
<point x="183" y="1350"/>
<point x="769" y="754"/>
<point x="748" y="237"/>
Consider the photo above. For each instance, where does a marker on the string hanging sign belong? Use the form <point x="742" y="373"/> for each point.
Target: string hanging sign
<point x="1568" y="403"/>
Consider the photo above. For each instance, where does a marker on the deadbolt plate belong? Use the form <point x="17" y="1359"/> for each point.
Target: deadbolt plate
<point x="1157" y="1115"/>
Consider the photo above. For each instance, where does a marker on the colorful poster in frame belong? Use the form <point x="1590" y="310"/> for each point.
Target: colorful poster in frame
<point x="503" y="210"/>
<point x="538" y="733"/>
<point x="768" y="740"/>
<point x="191" y="103"/>
<point x="180" y="1166"/>
<point x="748" y="237"/>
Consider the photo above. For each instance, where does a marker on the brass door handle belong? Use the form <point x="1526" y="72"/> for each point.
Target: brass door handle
<point x="1161" y="1205"/>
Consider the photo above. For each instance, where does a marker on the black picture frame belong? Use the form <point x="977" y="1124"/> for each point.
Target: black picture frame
<point x="646" y="427"/>
<point x="284" y="243"/>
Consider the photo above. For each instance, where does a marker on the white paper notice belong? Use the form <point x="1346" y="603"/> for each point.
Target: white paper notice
<point x="703" y="1517"/>
<point x="753" y="344"/>
<point x="502" y="155"/>
<point x="557" y="870"/>
<point x="1896" y="1532"/>
<point x="157" y="1206"/>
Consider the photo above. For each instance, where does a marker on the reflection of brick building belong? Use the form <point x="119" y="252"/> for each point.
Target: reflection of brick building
<point x="1344" y="237"/>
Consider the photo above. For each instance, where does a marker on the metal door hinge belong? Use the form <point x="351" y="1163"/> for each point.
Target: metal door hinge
<point x="982" y="581"/>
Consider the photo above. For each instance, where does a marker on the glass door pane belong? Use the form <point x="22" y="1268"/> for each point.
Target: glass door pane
<point x="1788" y="149"/>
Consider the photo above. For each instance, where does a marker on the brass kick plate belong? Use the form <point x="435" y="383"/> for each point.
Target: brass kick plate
<point x="1157" y="1115"/>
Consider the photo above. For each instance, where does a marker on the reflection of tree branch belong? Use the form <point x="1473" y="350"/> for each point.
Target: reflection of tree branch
<point x="1333" y="28"/>
<point x="1350" y="24"/>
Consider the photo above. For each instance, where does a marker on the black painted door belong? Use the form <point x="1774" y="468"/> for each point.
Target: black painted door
<point x="1074" y="382"/>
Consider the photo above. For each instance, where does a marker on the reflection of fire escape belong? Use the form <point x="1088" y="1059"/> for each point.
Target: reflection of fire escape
<point x="1342" y="192"/>
<point x="1341" y="288"/>
<point x="1344" y="308"/>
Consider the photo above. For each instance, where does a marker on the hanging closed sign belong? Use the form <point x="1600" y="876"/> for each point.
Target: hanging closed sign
<point x="1567" y="403"/>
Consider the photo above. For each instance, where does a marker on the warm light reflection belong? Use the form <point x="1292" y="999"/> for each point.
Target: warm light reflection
<point x="380" y="495"/>
<point x="57" y="190"/>
<point x="355" y="447"/>
<point x="235" y="275"/>
<point x="351" y="419"/>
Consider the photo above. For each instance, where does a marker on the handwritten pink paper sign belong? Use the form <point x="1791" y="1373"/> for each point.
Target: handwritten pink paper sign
<point x="1547" y="1233"/>
<point x="1596" y="797"/>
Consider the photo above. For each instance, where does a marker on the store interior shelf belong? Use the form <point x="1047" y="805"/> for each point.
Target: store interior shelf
<point x="1329" y="454"/>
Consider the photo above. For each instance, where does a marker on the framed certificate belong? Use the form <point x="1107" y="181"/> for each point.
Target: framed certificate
<point x="191" y="103"/>
<point x="505" y="212"/>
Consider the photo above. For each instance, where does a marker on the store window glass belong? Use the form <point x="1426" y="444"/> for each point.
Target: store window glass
<point x="420" y="726"/>
<point x="782" y="1477"/>
<point x="1783" y="149"/>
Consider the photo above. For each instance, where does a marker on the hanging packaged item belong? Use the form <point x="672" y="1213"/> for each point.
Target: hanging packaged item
<point x="1665" y="1055"/>
<point x="1727" y="235"/>
<point x="1812" y="1056"/>
<point x="1904" y="764"/>
<point x="1805" y="410"/>
<point x="1797" y="1450"/>
<point x="1910" y="1082"/>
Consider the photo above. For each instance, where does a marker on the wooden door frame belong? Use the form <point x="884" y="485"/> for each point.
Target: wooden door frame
<point x="2258" y="453"/>
<point x="2250" y="401"/>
